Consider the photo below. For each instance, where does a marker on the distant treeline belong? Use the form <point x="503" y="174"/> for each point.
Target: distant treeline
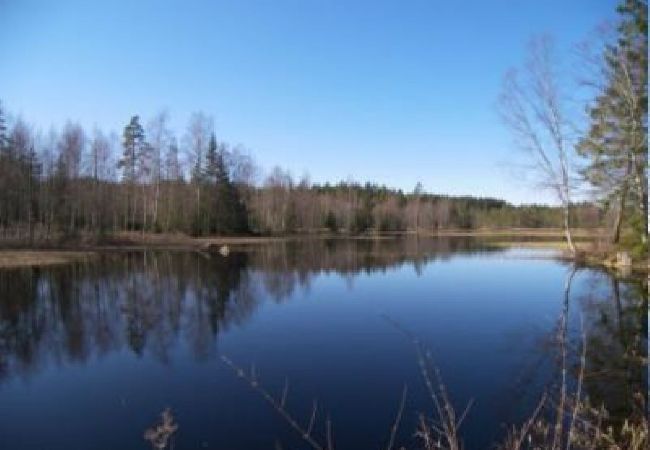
<point x="67" y="182"/>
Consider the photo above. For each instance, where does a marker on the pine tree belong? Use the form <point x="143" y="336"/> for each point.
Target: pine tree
<point x="3" y="130"/>
<point x="229" y="214"/>
<point x="133" y="142"/>
<point x="133" y="162"/>
<point x="616" y="143"/>
<point x="211" y="160"/>
<point x="224" y="195"/>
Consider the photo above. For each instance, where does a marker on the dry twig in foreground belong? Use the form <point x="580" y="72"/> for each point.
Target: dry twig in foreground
<point x="159" y="435"/>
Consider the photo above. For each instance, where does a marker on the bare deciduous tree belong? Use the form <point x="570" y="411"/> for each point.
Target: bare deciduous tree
<point x="534" y="108"/>
<point x="198" y="133"/>
<point x="160" y="139"/>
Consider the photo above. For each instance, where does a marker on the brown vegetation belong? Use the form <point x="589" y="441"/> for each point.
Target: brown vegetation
<point x="26" y="258"/>
<point x="160" y="435"/>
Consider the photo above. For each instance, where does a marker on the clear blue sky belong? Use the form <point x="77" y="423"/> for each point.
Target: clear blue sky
<point x="390" y="91"/>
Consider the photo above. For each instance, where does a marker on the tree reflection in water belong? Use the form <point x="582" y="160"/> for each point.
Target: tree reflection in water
<point x="144" y="301"/>
<point x="148" y="302"/>
<point x="616" y="326"/>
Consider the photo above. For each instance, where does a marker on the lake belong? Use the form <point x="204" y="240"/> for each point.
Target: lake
<point x="92" y="352"/>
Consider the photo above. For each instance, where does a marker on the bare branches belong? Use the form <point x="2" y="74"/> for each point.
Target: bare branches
<point x="328" y="434"/>
<point x="306" y="432"/>
<point x="441" y="433"/>
<point x="516" y="437"/>
<point x="535" y="112"/>
<point x="312" y="419"/>
<point x="398" y="419"/>
<point x="585" y="428"/>
<point x="285" y="391"/>
<point x="159" y="435"/>
<point x="279" y="405"/>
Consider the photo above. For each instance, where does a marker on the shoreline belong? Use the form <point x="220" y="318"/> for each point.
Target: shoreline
<point x="21" y="258"/>
<point x="51" y="253"/>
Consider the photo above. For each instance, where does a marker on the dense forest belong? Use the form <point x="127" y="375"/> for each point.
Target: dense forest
<point x="70" y="181"/>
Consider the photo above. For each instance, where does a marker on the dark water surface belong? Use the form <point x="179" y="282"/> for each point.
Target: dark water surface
<point x="91" y="353"/>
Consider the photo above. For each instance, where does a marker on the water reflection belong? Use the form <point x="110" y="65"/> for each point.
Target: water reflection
<point x="148" y="301"/>
<point x="615" y="316"/>
<point x="152" y="302"/>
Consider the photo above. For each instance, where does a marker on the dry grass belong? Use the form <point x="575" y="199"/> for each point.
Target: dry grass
<point x="550" y="245"/>
<point x="579" y="233"/>
<point x="160" y="434"/>
<point x="28" y="258"/>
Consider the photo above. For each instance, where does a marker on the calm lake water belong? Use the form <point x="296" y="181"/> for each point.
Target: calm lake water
<point x="91" y="353"/>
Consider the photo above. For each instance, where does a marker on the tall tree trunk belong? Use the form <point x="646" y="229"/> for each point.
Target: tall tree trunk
<point x="170" y="205"/>
<point x="135" y="207"/>
<point x="30" y="208"/>
<point x="198" y="207"/>
<point x="642" y="193"/>
<point x="144" y="207"/>
<point x="567" y="227"/>
<point x="616" y="231"/>
<point x="155" y="205"/>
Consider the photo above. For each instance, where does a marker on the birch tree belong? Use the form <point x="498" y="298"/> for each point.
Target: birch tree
<point x="100" y="153"/>
<point x="160" y="139"/>
<point x="71" y="146"/>
<point x="534" y="108"/>
<point x="197" y="138"/>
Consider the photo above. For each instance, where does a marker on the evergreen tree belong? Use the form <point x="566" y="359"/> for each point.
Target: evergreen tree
<point x="228" y="214"/>
<point x="3" y="129"/>
<point x="330" y="222"/>
<point x="617" y="139"/>
<point x="211" y="163"/>
<point x="133" y="142"/>
<point x="133" y="162"/>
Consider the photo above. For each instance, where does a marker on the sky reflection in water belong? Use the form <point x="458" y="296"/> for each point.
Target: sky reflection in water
<point x="91" y="353"/>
